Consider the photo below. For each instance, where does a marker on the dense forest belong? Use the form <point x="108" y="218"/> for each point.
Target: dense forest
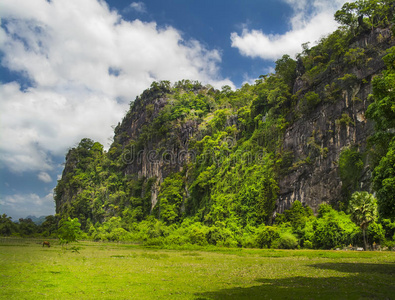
<point x="304" y="157"/>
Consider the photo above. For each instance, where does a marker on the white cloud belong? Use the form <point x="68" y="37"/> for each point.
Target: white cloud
<point x="86" y="64"/>
<point x="22" y="205"/>
<point x="44" y="177"/>
<point x="138" y="6"/>
<point x="311" y="20"/>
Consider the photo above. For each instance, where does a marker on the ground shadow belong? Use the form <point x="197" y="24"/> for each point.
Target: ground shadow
<point x="387" y="269"/>
<point x="363" y="281"/>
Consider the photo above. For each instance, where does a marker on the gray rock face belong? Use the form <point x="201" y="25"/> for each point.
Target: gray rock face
<point x="161" y="154"/>
<point x="316" y="143"/>
<point x="317" y="140"/>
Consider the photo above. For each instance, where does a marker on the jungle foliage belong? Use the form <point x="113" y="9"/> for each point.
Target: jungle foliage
<point x="225" y="193"/>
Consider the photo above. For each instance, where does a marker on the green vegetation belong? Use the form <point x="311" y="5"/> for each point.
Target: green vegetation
<point x="382" y="111"/>
<point x="214" y="158"/>
<point x="27" y="228"/>
<point x="204" y="225"/>
<point x="363" y="14"/>
<point x="119" y="271"/>
<point x="363" y="211"/>
<point x="68" y="230"/>
<point x="350" y="168"/>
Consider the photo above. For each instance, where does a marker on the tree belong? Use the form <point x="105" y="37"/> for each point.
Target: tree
<point x="286" y="69"/>
<point x="298" y="215"/>
<point x="7" y="227"/>
<point x="365" y="12"/>
<point x="27" y="227"/>
<point x="382" y="112"/>
<point x="170" y="199"/>
<point x="49" y="226"/>
<point x="363" y="211"/>
<point x="384" y="183"/>
<point x="331" y="229"/>
<point x="69" y="230"/>
<point x="347" y="15"/>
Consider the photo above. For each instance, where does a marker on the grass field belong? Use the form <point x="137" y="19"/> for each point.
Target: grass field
<point x="125" y="271"/>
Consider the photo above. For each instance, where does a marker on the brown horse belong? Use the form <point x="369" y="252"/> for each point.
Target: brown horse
<point x="45" y="243"/>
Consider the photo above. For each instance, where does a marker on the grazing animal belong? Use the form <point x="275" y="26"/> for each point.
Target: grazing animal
<point x="45" y="243"/>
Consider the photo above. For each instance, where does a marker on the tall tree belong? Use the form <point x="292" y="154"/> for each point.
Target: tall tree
<point x="363" y="211"/>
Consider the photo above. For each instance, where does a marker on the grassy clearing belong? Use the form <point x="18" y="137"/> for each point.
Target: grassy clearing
<point x="124" y="271"/>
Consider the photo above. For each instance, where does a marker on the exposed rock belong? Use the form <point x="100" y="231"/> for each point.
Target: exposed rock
<point x="317" y="140"/>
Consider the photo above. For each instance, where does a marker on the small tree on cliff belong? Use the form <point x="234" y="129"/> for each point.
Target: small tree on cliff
<point x="363" y="211"/>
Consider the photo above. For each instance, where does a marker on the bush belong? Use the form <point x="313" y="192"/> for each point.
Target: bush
<point x="375" y="233"/>
<point x="176" y="239"/>
<point x="332" y="228"/>
<point x="265" y="236"/>
<point x="222" y="234"/>
<point x="119" y="234"/>
<point x="307" y="244"/>
<point x="286" y="241"/>
<point x="159" y="241"/>
<point x="197" y="236"/>
<point x="248" y="241"/>
<point x="309" y="102"/>
<point x="389" y="228"/>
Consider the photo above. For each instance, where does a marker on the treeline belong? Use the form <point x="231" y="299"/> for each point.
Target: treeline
<point x="27" y="228"/>
<point x="294" y="229"/>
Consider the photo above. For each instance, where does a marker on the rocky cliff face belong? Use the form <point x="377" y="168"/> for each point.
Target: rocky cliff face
<point x="161" y="153"/>
<point x="317" y="140"/>
<point x="153" y="140"/>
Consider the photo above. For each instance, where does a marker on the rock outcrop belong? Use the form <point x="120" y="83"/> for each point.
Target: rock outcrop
<point x="317" y="139"/>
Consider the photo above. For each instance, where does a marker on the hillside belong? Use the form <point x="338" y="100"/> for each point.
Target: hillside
<point x="185" y="151"/>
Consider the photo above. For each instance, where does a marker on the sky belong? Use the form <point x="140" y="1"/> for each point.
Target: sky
<point x="69" y="69"/>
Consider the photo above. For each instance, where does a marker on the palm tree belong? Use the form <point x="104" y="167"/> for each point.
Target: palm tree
<point x="363" y="211"/>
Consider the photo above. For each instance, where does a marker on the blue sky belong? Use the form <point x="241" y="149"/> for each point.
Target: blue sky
<point x="70" y="68"/>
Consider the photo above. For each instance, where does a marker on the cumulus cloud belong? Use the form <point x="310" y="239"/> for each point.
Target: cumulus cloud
<point x="84" y="64"/>
<point x="44" y="177"/>
<point x="22" y="205"/>
<point x="311" y="20"/>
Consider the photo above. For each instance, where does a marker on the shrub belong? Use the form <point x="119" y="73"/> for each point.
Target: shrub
<point x="309" y="102"/>
<point x="375" y="233"/>
<point x="119" y="234"/>
<point x="332" y="228"/>
<point x="286" y="241"/>
<point x="265" y="236"/>
<point x="221" y="236"/>
<point x="307" y="244"/>
<point x="197" y="236"/>
<point x="389" y="228"/>
<point x="248" y="241"/>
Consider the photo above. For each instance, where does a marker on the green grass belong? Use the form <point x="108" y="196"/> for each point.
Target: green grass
<point x="126" y="271"/>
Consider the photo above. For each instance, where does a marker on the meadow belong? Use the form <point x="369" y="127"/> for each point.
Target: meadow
<point x="90" y="270"/>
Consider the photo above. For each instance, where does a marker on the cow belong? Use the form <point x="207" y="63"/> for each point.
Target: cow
<point x="45" y="243"/>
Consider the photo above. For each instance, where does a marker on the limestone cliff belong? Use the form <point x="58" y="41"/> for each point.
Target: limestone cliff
<point x="323" y="133"/>
<point x="321" y="115"/>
